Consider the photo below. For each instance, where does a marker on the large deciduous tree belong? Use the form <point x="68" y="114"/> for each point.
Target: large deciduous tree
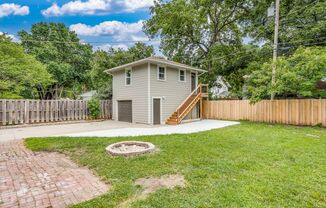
<point x="21" y="75"/>
<point x="65" y="57"/>
<point x="200" y="33"/>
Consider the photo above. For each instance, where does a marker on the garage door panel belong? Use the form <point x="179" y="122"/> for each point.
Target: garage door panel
<point x="125" y="111"/>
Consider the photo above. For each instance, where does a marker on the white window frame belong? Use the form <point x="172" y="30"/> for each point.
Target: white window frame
<point x="185" y="78"/>
<point x="158" y="72"/>
<point x="128" y="69"/>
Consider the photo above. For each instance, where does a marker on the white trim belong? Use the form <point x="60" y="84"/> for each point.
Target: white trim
<point x="149" y="93"/>
<point x="158" y="71"/>
<point x="155" y="61"/>
<point x="127" y="69"/>
<point x="185" y="75"/>
<point x="161" y="104"/>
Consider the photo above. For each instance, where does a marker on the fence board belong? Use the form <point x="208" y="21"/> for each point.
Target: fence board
<point x="297" y="112"/>
<point x="40" y="111"/>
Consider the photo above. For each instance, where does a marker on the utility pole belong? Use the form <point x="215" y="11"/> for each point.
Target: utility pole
<point x="277" y="17"/>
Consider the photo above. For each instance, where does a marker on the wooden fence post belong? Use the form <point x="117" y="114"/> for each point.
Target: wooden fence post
<point x="4" y="112"/>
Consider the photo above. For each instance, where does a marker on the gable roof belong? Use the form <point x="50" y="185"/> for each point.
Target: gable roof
<point x="220" y="79"/>
<point x="155" y="60"/>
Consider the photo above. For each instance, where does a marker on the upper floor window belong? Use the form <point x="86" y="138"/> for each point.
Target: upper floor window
<point x="161" y="73"/>
<point x="128" y="76"/>
<point x="182" y="75"/>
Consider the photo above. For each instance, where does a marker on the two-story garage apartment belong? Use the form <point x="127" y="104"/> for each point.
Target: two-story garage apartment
<point x="155" y="91"/>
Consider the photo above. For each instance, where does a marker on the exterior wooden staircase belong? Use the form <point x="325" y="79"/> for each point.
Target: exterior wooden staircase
<point x="188" y="104"/>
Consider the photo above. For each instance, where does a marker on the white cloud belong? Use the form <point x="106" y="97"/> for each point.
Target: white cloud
<point x="13" y="37"/>
<point x="13" y="9"/>
<point x="133" y="5"/>
<point x="120" y="31"/>
<point x="98" y="7"/>
<point x="78" y="7"/>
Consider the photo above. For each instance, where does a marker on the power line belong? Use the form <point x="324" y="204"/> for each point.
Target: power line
<point x="306" y="44"/>
<point x="90" y="42"/>
<point x="303" y="40"/>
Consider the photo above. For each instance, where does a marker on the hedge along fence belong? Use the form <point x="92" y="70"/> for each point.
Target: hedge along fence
<point x="43" y="111"/>
<point x="296" y="112"/>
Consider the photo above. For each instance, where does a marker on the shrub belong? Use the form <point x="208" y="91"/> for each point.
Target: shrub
<point x="94" y="108"/>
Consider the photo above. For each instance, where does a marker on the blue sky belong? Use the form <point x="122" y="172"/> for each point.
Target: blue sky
<point x="102" y="23"/>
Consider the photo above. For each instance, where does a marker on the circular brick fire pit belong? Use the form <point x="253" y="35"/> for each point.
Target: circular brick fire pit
<point x="130" y="148"/>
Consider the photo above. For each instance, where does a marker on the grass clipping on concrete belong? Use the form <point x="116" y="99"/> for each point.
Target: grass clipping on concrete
<point x="248" y="165"/>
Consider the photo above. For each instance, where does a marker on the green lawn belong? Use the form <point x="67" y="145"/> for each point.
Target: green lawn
<point x="248" y="165"/>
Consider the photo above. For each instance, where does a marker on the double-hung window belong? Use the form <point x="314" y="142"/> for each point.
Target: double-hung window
<point x="182" y="75"/>
<point x="128" y="77"/>
<point x="161" y="73"/>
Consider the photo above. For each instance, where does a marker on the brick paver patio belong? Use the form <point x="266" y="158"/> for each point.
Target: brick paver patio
<point x="29" y="179"/>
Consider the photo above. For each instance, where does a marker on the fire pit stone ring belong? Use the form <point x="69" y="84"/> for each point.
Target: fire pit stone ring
<point x="130" y="148"/>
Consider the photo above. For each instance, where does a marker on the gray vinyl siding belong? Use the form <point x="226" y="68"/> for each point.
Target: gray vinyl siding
<point x="137" y="92"/>
<point x="172" y="91"/>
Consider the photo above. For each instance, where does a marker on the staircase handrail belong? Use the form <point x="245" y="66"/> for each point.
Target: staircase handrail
<point x="185" y="100"/>
<point x="182" y="114"/>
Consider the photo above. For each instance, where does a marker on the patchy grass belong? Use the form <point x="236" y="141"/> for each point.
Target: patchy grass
<point x="248" y="165"/>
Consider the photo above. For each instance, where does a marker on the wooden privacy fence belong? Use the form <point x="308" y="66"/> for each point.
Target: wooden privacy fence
<point x="296" y="112"/>
<point x="41" y="111"/>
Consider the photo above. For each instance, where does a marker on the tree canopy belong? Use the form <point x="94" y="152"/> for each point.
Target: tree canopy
<point x="193" y="31"/>
<point x="21" y="75"/>
<point x="65" y="57"/>
<point x="297" y="76"/>
<point x="301" y="23"/>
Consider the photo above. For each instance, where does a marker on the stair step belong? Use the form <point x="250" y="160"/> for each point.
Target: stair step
<point x="171" y="123"/>
<point x="186" y="107"/>
<point x="173" y="119"/>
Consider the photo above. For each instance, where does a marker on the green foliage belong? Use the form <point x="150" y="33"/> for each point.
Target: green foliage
<point x="21" y="75"/>
<point x="234" y="66"/>
<point x="246" y="165"/>
<point x="301" y="22"/>
<point x="296" y="76"/>
<point x="140" y="51"/>
<point x="94" y="108"/>
<point x="103" y="60"/>
<point x="65" y="57"/>
<point x="209" y="34"/>
<point x="192" y="31"/>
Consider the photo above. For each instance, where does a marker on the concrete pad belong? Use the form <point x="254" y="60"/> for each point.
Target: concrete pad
<point x="186" y="128"/>
<point x="62" y="129"/>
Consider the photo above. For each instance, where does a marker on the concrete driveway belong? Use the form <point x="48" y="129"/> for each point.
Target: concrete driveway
<point x="109" y="129"/>
<point x="185" y="128"/>
<point x="63" y="129"/>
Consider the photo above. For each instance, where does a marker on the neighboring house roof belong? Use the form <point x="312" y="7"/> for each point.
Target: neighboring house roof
<point x="155" y="60"/>
<point x="220" y="88"/>
<point x="221" y="80"/>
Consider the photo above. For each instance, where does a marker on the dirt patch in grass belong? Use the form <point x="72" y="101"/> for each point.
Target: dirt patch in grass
<point x="152" y="184"/>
